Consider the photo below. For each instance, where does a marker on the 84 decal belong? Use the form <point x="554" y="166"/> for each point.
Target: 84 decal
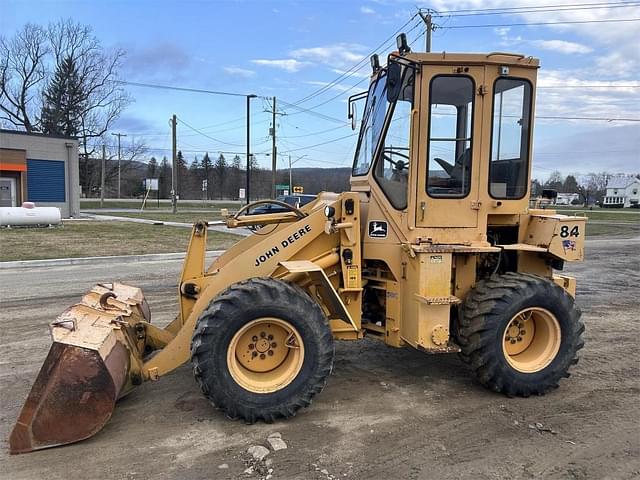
<point x="565" y="232"/>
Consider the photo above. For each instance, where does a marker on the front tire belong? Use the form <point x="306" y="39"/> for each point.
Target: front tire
<point x="520" y="333"/>
<point x="261" y="350"/>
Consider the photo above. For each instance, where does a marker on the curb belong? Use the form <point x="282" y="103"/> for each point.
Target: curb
<point x="55" y="262"/>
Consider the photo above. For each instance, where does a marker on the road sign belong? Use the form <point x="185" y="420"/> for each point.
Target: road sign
<point x="241" y="193"/>
<point x="150" y="184"/>
<point x="204" y="185"/>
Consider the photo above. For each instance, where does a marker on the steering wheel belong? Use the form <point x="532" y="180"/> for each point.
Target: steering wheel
<point x="399" y="165"/>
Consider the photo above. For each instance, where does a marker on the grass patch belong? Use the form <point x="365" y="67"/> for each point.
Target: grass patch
<point x="96" y="239"/>
<point x="184" y="217"/>
<point x="627" y="215"/>
<point x="617" y="230"/>
<point x="92" y="204"/>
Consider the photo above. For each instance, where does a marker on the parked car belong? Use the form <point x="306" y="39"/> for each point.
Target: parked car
<point x="293" y="200"/>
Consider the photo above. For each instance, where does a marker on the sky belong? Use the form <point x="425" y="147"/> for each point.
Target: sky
<point x="295" y="51"/>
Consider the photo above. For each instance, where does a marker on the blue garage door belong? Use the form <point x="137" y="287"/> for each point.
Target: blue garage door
<point x="45" y="181"/>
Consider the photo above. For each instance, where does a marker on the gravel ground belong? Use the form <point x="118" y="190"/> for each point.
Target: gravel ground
<point x="385" y="413"/>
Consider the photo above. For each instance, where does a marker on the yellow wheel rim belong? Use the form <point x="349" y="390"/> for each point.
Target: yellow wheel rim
<point x="265" y="355"/>
<point x="531" y="340"/>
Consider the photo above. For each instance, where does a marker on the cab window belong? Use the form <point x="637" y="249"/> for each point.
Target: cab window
<point x="392" y="167"/>
<point x="510" y="138"/>
<point x="451" y="105"/>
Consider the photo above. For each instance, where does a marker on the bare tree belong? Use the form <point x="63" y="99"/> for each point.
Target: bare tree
<point x="592" y="187"/>
<point x="22" y="71"/>
<point x="28" y="60"/>
<point x="104" y="98"/>
<point x="131" y="152"/>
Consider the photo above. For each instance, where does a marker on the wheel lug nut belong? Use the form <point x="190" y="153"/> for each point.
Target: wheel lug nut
<point x="513" y="341"/>
<point x="270" y="337"/>
<point x="254" y="338"/>
<point x="251" y="346"/>
<point x="270" y="353"/>
<point x="262" y="334"/>
<point x="262" y="356"/>
<point x="254" y="354"/>
<point x="523" y="332"/>
<point x="274" y="344"/>
<point x="519" y="339"/>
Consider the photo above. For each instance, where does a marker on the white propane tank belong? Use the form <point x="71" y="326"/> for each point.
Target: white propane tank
<point x="29" y="215"/>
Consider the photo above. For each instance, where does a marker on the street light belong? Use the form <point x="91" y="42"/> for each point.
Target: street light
<point x="290" y="174"/>
<point x="290" y="170"/>
<point x="119" y="135"/>
<point x="249" y="97"/>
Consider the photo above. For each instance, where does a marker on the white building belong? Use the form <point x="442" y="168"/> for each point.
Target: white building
<point x="622" y="192"/>
<point x="566" y="198"/>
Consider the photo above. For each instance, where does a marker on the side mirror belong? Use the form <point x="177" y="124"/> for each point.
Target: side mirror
<point x="353" y="115"/>
<point x="394" y="81"/>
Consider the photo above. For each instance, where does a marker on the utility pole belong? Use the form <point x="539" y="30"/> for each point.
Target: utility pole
<point x="247" y="193"/>
<point x="102" y="174"/>
<point x="174" y="165"/>
<point x="290" y="175"/>
<point x="119" y="135"/>
<point x="427" y="19"/>
<point x="274" y="150"/>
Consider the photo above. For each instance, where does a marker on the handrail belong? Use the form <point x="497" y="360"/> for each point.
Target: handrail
<point x="291" y="208"/>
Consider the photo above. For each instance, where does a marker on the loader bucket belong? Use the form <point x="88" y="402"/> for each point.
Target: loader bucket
<point x="86" y="371"/>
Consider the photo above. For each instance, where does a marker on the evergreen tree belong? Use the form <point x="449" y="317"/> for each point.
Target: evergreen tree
<point x="195" y="179"/>
<point x="152" y="168"/>
<point x="570" y="184"/>
<point x="63" y="101"/>
<point x="220" y="172"/>
<point x="207" y="169"/>
<point x="183" y="175"/>
<point x="164" y="178"/>
<point x="555" y="181"/>
<point x="234" y="181"/>
<point x="536" y="188"/>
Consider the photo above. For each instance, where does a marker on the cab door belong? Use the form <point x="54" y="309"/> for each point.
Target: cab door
<point x="449" y="166"/>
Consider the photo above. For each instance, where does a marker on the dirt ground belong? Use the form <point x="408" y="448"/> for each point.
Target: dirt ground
<point x="385" y="413"/>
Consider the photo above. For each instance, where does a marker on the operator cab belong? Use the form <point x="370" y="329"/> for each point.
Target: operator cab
<point x="445" y="138"/>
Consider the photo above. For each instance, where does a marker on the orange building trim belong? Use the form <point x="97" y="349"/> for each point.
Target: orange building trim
<point x="13" y="167"/>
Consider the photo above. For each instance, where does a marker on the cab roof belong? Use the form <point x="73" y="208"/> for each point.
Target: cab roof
<point x="493" y="58"/>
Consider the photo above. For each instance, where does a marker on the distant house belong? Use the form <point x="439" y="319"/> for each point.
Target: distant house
<point x="622" y="192"/>
<point x="566" y="198"/>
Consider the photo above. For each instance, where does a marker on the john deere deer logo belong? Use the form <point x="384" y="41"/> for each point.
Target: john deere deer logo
<point x="377" y="229"/>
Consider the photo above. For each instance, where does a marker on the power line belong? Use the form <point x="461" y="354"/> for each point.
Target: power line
<point x="312" y="134"/>
<point x="321" y="143"/>
<point x="180" y="89"/>
<point x="311" y="112"/>
<point x="598" y="119"/>
<point x="209" y="136"/>
<point x="354" y="68"/>
<point x="539" y="10"/>
<point x="493" y="25"/>
<point x="587" y="86"/>
<point x="527" y="7"/>
<point x="361" y="81"/>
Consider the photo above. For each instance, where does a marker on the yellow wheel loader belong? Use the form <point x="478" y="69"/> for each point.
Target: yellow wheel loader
<point x="434" y="247"/>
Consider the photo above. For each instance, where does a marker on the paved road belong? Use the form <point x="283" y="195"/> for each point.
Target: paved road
<point x="385" y="413"/>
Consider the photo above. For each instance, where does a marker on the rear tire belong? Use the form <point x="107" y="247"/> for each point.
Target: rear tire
<point x="262" y="350"/>
<point x="520" y="333"/>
